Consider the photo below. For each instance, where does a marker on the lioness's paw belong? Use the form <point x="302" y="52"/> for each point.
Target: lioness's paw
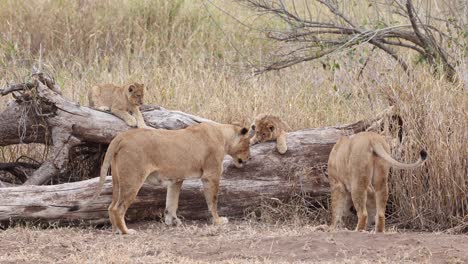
<point x="221" y="221"/>
<point x="131" y="232"/>
<point x="169" y="220"/>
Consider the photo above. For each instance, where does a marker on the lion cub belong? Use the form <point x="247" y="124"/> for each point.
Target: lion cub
<point x="120" y="101"/>
<point x="268" y="128"/>
<point x="358" y="170"/>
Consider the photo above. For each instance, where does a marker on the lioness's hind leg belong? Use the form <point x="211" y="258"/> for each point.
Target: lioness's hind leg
<point x="115" y="198"/>
<point x="281" y="145"/>
<point x="381" y="196"/>
<point x="359" y="200"/>
<point x="172" y="202"/>
<point x="127" y="195"/>
<point x="210" y="189"/>
<point x="341" y="202"/>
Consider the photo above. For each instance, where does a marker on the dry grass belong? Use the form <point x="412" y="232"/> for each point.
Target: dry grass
<point x="237" y="242"/>
<point x="186" y="57"/>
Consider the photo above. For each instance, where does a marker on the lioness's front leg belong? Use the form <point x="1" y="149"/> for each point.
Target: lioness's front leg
<point x="125" y="116"/>
<point x="210" y="189"/>
<point x="172" y="202"/>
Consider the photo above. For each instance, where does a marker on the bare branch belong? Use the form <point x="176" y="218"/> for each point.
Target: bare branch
<point x="311" y="37"/>
<point x="15" y="88"/>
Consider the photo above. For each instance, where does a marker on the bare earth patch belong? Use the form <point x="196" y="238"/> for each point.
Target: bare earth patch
<point x="237" y="242"/>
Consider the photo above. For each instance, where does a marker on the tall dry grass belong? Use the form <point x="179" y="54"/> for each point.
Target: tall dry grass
<point x="195" y="58"/>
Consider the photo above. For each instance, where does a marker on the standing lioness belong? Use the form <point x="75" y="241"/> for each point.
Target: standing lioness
<point x="358" y="169"/>
<point x="122" y="101"/>
<point x="170" y="156"/>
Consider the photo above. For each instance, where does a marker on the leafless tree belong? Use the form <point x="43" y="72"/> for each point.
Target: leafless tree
<point x="311" y="29"/>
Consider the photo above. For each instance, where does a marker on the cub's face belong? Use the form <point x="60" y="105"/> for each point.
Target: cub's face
<point x="264" y="131"/>
<point x="240" y="150"/>
<point x="135" y="93"/>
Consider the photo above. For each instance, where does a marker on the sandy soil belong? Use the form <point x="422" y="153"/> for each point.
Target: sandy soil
<point x="237" y="242"/>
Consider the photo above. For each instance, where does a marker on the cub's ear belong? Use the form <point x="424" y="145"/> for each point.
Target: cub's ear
<point x="272" y="128"/>
<point x="244" y="131"/>
<point x="131" y="87"/>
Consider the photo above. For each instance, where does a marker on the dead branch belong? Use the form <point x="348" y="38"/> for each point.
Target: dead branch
<point x="309" y="37"/>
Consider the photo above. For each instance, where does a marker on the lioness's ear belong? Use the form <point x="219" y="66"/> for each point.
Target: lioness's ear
<point x="272" y="128"/>
<point x="244" y="131"/>
<point x="131" y="87"/>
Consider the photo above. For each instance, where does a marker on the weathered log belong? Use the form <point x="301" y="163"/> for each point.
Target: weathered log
<point x="41" y="115"/>
<point x="302" y="170"/>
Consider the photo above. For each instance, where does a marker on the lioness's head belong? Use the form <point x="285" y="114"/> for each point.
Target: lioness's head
<point x="135" y="93"/>
<point x="239" y="149"/>
<point x="264" y="130"/>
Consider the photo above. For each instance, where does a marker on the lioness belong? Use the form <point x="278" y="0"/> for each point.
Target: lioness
<point x="169" y="157"/>
<point x="120" y="101"/>
<point x="358" y="170"/>
<point x="267" y="128"/>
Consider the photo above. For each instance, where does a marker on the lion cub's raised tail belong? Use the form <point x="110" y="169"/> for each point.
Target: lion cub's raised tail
<point x="111" y="150"/>
<point x="381" y="152"/>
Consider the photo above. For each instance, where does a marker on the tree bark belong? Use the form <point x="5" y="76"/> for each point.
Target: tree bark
<point x="302" y="170"/>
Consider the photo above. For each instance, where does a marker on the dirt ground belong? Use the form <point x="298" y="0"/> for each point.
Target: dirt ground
<point x="237" y="242"/>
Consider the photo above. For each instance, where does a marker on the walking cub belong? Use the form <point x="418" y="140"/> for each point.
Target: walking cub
<point x="122" y="101"/>
<point x="268" y="128"/>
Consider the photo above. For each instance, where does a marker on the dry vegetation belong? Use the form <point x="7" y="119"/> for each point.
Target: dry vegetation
<point x="196" y="59"/>
<point x="238" y="242"/>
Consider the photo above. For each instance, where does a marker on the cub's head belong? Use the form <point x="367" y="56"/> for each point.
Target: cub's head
<point x="240" y="147"/>
<point x="135" y="93"/>
<point x="263" y="130"/>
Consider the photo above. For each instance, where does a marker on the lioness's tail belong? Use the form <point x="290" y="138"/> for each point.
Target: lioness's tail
<point x="380" y="151"/>
<point x="111" y="150"/>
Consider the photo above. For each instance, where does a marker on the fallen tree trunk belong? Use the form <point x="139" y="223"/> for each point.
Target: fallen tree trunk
<point x="267" y="175"/>
<point x="41" y="115"/>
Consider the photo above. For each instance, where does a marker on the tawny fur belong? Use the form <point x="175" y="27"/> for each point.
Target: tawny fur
<point x="268" y="128"/>
<point x="122" y="101"/>
<point x="170" y="156"/>
<point x="358" y="169"/>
